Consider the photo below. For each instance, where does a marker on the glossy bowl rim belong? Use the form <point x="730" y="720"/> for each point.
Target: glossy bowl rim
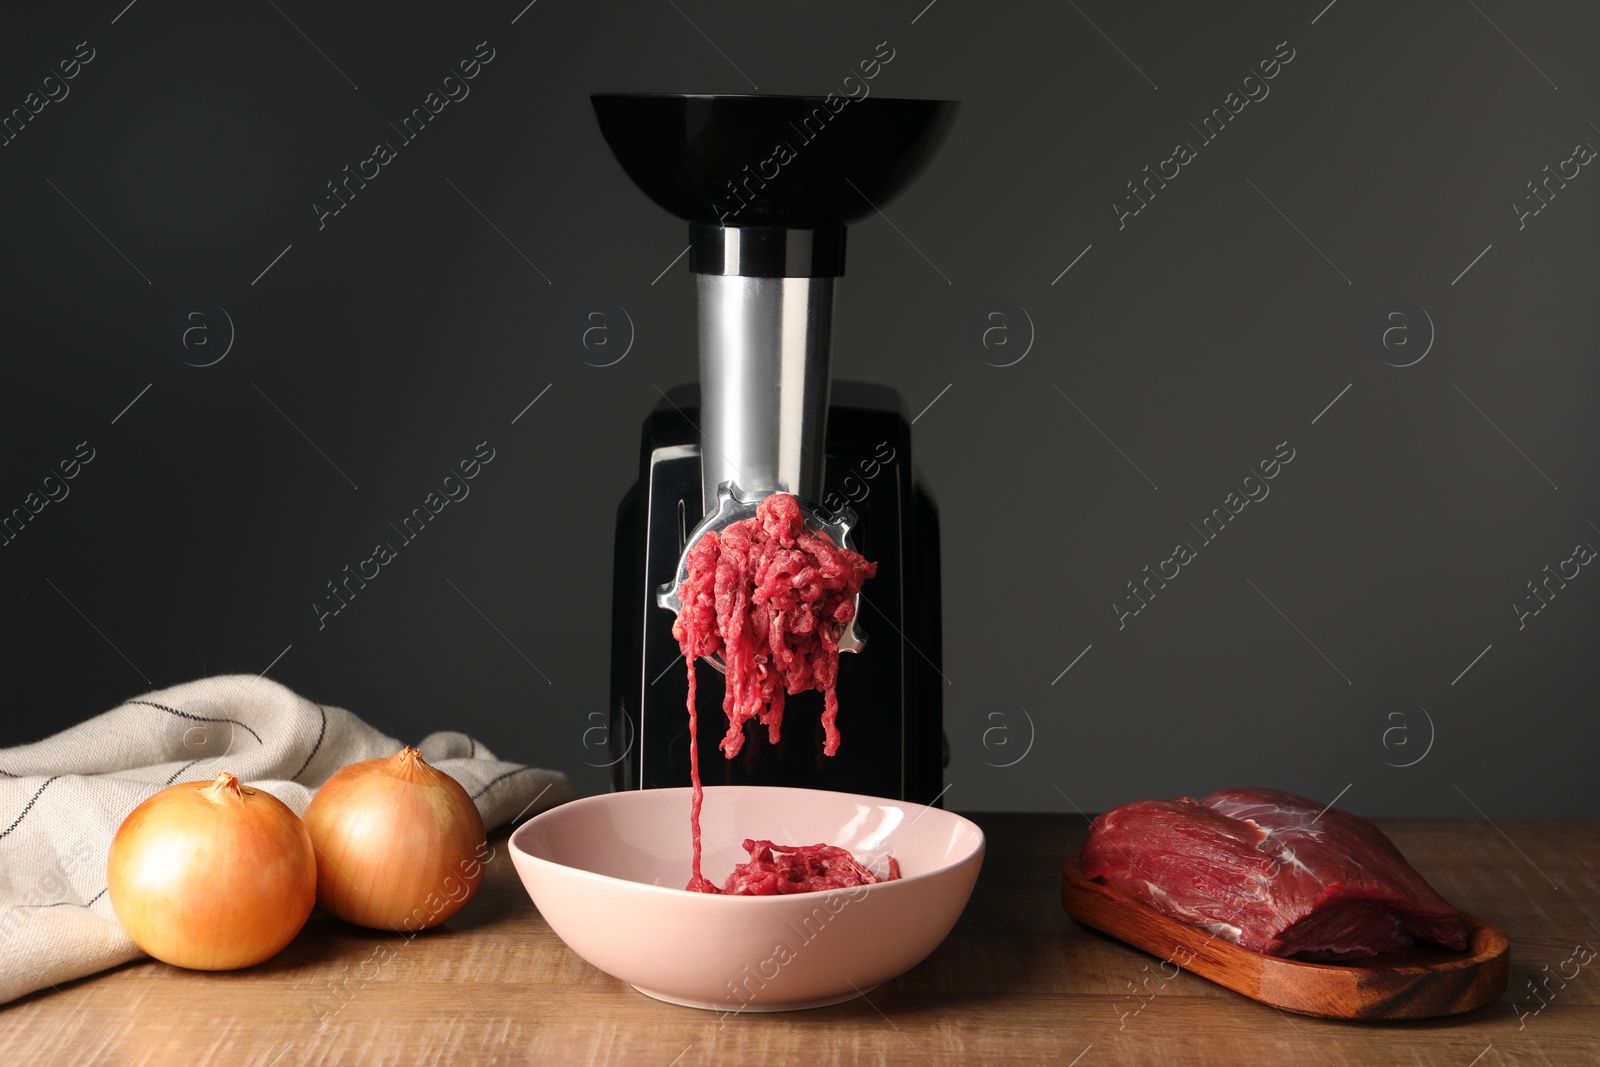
<point x="905" y="883"/>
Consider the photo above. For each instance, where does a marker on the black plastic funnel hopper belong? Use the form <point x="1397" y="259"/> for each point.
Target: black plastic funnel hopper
<point x="771" y="162"/>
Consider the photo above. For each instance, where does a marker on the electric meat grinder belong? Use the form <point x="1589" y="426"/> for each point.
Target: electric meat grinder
<point x="767" y="184"/>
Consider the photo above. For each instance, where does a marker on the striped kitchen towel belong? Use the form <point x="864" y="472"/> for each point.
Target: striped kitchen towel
<point x="62" y="799"/>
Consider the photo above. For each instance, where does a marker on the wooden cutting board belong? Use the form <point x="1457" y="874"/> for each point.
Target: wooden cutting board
<point x="1414" y="983"/>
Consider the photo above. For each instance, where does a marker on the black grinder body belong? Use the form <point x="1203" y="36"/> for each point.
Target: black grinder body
<point x="890" y="693"/>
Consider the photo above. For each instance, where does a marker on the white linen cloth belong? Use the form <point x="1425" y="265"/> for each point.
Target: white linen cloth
<point x="62" y="799"/>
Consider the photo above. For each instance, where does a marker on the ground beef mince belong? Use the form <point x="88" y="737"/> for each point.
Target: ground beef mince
<point x="776" y="869"/>
<point x="770" y="596"/>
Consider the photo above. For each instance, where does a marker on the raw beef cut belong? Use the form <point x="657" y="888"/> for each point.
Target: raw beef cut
<point x="1272" y="872"/>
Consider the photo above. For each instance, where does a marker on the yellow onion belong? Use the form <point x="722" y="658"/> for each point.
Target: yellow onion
<point x="212" y="875"/>
<point x="399" y="844"/>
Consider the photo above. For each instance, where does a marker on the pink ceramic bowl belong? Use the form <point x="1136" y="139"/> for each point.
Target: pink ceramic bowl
<point x="607" y="872"/>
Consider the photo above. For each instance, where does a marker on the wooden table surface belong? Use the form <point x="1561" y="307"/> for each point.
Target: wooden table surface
<point x="1017" y="981"/>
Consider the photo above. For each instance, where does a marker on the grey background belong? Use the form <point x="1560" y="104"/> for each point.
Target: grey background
<point x="1322" y="640"/>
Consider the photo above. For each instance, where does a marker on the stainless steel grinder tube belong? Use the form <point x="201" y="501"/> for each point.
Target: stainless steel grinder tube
<point x="766" y="323"/>
<point x="763" y="384"/>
